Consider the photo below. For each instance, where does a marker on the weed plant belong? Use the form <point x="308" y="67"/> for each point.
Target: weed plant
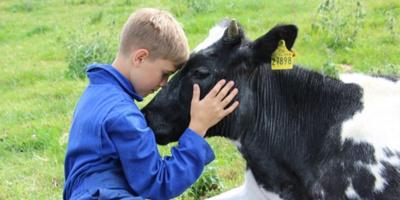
<point x="84" y="49"/>
<point x="205" y="185"/>
<point x="339" y="21"/>
<point x="393" y="24"/>
<point x="182" y="7"/>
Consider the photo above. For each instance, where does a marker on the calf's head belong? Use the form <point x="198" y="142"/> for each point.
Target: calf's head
<point x="225" y="54"/>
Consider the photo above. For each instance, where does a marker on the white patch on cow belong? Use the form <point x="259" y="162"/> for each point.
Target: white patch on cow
<point x="214" y="35"/>
<point x="350" y="192"/>
<point x="249" y="191"/>
<point x="378" y="124"/>
<point x="376" y="170"/>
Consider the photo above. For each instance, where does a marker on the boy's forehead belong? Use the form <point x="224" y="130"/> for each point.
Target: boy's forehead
<point x="170" y="65"/>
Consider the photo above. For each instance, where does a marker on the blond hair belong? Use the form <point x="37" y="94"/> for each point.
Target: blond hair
<point x="156" y="31"/>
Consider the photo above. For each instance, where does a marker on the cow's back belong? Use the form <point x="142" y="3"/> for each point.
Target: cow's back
<point x="367" y="165"/>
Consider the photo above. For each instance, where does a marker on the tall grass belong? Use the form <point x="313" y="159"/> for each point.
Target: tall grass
<point x="38" y="39"/>
<point x="84" y="48"/>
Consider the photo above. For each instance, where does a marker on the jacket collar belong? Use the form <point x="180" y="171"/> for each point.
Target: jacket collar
<point x="102" y="73"/>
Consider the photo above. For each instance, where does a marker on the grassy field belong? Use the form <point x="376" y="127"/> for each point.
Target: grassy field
<point x="38" y="97"/>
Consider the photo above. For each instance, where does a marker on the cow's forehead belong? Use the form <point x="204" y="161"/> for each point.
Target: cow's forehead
<point x="214" y="35"/>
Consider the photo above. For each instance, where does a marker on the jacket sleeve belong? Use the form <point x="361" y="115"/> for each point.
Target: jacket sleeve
<point x="147" y="173"/>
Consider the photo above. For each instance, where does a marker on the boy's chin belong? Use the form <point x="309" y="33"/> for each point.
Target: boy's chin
<point x="145" y="95"/>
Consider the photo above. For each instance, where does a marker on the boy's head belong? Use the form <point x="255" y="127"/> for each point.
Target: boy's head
<point x="157" y="32"/>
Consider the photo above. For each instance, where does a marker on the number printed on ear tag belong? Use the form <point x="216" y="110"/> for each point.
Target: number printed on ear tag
<point x="282" y="58"/>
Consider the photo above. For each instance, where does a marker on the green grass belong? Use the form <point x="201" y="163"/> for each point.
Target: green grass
<point x="38" y="99"/>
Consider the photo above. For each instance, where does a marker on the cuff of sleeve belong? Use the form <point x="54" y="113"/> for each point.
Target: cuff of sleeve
<point x="189" y="136"/>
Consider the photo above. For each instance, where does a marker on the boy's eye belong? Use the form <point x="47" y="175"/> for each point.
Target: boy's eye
<point x="165" y="74"/>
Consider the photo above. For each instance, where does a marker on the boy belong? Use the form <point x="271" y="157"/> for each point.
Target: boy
<point x="112" y="153"/>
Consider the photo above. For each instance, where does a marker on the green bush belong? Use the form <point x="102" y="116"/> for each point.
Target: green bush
<point x="339" y="22"/>
<point x="181" y="7"/>
<point x="392" y="24"/>
<point x="84" y="49"/>
<point x="42" y="29"/>
<point x="205" y="185"/>
<point x="23" y="6"/>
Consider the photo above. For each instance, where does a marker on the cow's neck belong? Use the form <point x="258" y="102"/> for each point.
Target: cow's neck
<point x="302" y="105"/>
<point x="294" y="114"/>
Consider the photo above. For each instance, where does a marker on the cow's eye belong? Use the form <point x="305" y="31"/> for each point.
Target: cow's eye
<point x="201" y="72"/>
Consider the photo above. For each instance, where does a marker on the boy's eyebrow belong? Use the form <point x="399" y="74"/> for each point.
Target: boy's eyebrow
<point x="170" y="72"/>
<point x="174" y="70"/>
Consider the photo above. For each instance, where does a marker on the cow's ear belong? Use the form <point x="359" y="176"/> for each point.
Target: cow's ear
<point x="264" y="46"/>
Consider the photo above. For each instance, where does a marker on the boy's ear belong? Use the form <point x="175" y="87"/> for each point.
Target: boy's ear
<point x="139" y="56"/>
<point x="264" y="46"/>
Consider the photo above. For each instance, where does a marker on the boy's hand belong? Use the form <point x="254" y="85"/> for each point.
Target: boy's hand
<point x="210" y="110"/>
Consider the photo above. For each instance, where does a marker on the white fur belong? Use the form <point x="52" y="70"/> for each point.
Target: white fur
<point x="249" y="191"/>
<point x="350" y="192"/>
<point x="377" y="124"/>
<point x="214" y="35"/>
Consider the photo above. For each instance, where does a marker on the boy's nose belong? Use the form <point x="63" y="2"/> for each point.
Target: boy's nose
<point x="163" y="83"/>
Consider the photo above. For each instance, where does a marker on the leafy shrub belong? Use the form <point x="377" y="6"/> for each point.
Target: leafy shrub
<point x="388" y="70"/>
<point x="330" y="69"/>
<point x="207" y="183"/>
<point x="23" y="6"/>
<point x="181" y="7"/>
<point x="84" y="49"/>
<point x="96" y="18"/>
<point x="339" y="22"/>
<point x="392" y="23"/>
<point x="38" y="30"/>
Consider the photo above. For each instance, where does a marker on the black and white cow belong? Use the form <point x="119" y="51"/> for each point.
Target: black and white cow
<point x="303" y="135"/>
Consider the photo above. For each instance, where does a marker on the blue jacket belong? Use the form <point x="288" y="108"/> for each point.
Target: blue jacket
<point x="111" y="147"/>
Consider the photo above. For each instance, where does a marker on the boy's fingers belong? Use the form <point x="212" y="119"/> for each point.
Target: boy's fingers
<point x="230" y="97"/>
<point x="196" y="93"/>
<point x="231" y="108"/>
<point x="225" y="90"/>
<point x="216" y="89"/>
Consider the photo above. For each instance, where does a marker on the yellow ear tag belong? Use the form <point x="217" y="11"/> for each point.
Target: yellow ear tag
<point x="282" y="58"/>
